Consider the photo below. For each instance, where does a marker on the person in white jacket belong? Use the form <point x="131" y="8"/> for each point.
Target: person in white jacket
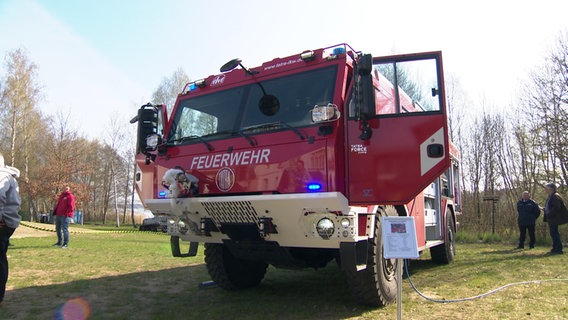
<point x="9" y="217"/>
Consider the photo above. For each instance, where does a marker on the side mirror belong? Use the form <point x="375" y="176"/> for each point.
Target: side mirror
<point x="148" y="124"/>
<point x="364" y="90"/>
<point x="366" y="97"/>
<point x="231" y="65"/>
<point x="365" y="65"/>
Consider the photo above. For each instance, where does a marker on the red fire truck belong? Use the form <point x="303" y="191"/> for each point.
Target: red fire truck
<point x="293" y="163"/>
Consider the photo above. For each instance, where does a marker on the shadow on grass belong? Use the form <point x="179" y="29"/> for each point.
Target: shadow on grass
<point x="515" y="253"/>
<point x="175" y="294"/>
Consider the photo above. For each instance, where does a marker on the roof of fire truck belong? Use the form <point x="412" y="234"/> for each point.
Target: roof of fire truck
<point x="235" y="75"/>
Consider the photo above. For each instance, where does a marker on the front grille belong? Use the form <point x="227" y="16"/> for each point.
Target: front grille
<point x="231" y="212"/>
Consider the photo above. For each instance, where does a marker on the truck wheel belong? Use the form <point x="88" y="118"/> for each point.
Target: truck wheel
<point x="445" y="252"/>
<point x="229" y="272"/>
<point x="376" y="285"/>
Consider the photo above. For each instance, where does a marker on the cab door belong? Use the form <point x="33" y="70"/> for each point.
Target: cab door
<point x="402" y="146"/>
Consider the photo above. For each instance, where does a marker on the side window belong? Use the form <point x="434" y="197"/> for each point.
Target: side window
<point x="195" y="123"/>
<point x="407" y="86"/>
<point x="446" y="181"/>
<point x="456" y="188"/>
<point x="204" y="123"/>
<point x="206" y="115"/>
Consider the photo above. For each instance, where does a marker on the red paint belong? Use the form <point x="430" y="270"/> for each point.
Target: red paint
<point x="382" y="170"/>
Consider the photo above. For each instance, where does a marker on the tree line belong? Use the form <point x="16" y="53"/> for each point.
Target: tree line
<point x="50" y="153"/>
<point x="504" y="149"/>
<point x="510" y="149"/>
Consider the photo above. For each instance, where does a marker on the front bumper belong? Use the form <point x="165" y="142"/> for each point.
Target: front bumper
<point x="293" y="216"/>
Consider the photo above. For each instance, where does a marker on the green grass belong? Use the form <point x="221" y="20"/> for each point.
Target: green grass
<point x="108" y="227"/>
<point x="133" y="276"/>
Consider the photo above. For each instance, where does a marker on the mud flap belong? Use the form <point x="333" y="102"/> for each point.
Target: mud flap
<point x="176" y="252"/>
<point x="353" y="255"/>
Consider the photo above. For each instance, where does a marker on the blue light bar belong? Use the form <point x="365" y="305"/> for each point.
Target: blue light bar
<point x="314" y="186"/>
<point x="339" y="50"/>
<point x="162" y="194"/>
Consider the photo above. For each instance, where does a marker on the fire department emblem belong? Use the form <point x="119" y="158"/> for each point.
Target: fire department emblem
<point x="225" y="179"/>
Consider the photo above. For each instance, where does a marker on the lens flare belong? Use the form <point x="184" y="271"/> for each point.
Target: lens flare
<point x="74" y="309"/>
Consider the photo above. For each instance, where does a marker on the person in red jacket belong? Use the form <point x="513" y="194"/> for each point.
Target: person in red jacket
<point x="63" y="212"/>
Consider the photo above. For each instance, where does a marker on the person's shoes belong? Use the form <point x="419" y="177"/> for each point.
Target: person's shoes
<point x="519" y="248"/>
<point x="56" y="245"/>
<point x="64" y="246"/>
<point x="555" y="252"/>
<point x="531" y="247"/>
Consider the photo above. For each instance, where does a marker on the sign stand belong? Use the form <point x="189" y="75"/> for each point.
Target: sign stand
<point x="399" y="264"/>
<point x="399" y="242"/>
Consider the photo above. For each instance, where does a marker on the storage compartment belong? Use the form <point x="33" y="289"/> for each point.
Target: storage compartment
<point x="430" y="217"/>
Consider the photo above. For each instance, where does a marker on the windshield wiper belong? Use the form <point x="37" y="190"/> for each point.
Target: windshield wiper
<point x="218" y="133"/>
<point x="296" y="131"/>
<point x="246" y="136"/>
<point x="192" y="137"/>
<point x="231" y="132"/>
<point x="261" y="126"/>
<point x="274" y="124"/>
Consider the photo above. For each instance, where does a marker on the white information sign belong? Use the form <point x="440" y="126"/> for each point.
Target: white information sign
<point x="399" y="238"/>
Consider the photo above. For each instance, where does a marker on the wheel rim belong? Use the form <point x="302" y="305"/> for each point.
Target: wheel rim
<point x="450" y="239"/>
<point x="389" y="267"/>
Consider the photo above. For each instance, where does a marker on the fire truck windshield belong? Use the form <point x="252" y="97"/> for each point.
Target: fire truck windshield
<point x="232" y="111"/>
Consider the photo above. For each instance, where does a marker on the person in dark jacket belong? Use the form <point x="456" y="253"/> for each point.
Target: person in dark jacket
<point x="528" y="211"/>
<point x="63" y="212"/>
<point x="555" y="214"/>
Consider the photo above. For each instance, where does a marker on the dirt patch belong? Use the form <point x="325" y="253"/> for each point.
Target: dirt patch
<point x="24" y="231"/>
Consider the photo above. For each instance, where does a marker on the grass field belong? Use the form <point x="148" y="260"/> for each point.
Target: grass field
<point x="132" y="275"/>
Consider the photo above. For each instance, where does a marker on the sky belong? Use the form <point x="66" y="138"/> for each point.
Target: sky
<point x="99" y="60"/>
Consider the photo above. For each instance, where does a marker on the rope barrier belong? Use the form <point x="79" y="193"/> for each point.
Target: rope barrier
<point x="29" y="225"/>
<point x="477" y="296"/>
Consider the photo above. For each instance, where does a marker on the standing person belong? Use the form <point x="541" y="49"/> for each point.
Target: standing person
<point x="528" y="211"/>
<point x="9" y="217"/>
<point x="63" y="211"/>
<point x="555" y="214"/>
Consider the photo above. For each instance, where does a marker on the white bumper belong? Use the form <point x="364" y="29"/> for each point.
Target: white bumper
<point x="294" y="216"/>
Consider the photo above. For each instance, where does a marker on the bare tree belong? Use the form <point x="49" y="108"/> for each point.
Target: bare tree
<point x="545" y="101"/>
<point x="170" y="88"/>
<point x="20" y="121"/>
<point x="19" y="96"/>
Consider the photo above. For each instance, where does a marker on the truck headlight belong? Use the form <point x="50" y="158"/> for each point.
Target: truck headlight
<point x="325" y="228"/>
<point x="182" y="227"/>
<point x="152" y="141"/>
<point x="326" y="113"/>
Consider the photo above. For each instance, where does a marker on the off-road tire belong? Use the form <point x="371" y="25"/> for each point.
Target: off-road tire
<point x="445" y="252"/>
<point x="376" y="285"/>
<point x="229" y="272"/>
